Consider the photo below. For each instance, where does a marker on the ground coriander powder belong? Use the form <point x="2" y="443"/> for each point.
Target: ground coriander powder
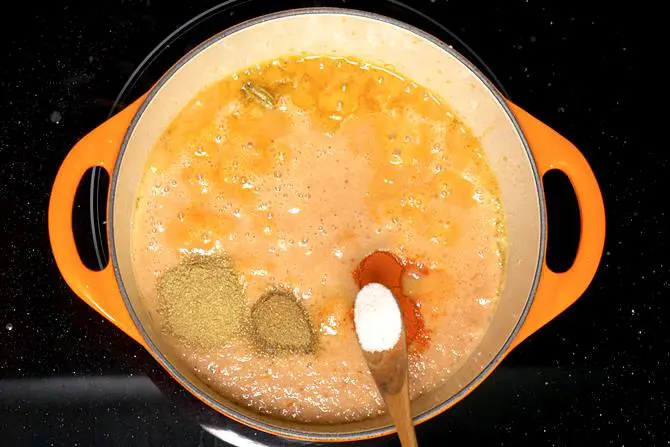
<point x="202" y="301"/>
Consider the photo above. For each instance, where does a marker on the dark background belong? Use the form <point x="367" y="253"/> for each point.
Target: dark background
<point x="596" y="375"/>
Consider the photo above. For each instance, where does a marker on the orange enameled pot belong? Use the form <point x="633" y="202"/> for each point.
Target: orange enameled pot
<point x="519" y="149"/>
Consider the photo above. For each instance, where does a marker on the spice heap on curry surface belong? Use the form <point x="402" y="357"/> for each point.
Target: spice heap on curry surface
<point x="280" y="323"/>
<point x="202" y="303"/>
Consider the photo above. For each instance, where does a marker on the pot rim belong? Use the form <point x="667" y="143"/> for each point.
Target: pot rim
<point x="277" y="429"/>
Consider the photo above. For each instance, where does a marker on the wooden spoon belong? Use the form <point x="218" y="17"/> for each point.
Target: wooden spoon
<point x="389" y="370"/>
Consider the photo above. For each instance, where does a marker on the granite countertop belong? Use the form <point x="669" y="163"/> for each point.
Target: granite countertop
<point x="592" y="376"/>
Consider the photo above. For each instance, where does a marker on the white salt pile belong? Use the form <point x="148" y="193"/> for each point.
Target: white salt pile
<point x="377" y="318"/>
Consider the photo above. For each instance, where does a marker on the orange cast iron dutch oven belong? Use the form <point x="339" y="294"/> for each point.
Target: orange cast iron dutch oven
<point x="519" y="149"/>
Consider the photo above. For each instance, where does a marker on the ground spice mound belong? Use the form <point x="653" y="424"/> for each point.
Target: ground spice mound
<point x="202" y="301"/>
<point x="280" y="323"/>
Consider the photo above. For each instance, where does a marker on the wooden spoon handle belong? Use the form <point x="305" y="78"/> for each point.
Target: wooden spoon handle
<point x="397" y="405"/>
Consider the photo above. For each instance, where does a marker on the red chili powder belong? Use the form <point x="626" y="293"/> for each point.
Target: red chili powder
<point x="385" y="268"/>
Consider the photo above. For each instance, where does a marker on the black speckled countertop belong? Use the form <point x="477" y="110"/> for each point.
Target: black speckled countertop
<point x="592" y="376"/>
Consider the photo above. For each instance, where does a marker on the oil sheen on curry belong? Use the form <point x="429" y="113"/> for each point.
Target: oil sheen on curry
<point x="289" y="174"/>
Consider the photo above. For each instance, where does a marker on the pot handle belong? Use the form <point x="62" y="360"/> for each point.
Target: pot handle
<point x="557" y="291"/>
<point x="98" y="289"/>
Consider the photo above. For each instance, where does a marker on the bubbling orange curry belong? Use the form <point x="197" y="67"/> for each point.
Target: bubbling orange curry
<point x="298" y="169"/>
